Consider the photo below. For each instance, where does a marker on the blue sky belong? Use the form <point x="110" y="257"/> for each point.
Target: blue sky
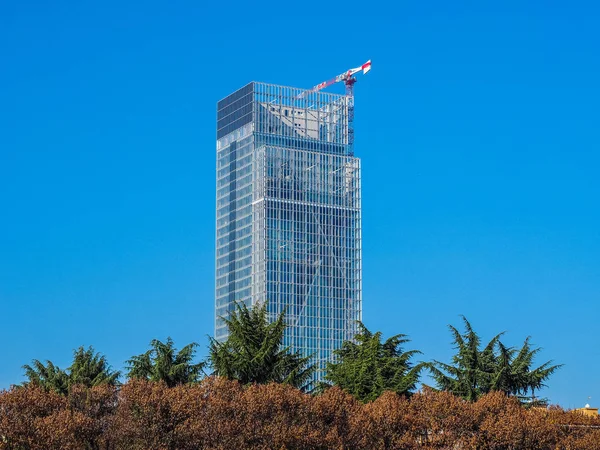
<point x="477" y="129"/>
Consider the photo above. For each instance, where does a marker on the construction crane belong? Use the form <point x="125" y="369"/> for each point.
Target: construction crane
<point x="349" y="80"/>
<point x="347" y="77"/>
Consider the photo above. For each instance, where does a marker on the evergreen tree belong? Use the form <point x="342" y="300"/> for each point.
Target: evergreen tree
<point x="366" y="367"/>
<point x="475" y="371"/>
<point x="163" y="363"/>
<point x="88" y="369"/>
<point x="519" y="377"/>
<point x="91" y="369"/>
<point x="472" y="370"/>
<point x="47" y="376"/>
<point x="253" y="351"/>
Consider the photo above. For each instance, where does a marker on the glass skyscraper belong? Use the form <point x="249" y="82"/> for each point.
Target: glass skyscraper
<point x="289" y="213"/>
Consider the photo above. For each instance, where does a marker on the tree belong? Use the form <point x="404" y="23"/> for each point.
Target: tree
<point x="471" y="372"/>
<point x="91" y="369"/>
<point x="217" y="413"/>
<point x="475" y="372"/>
<point x="515" y="372"/>
<point x="34" y="418"/>
<point x="367" y="367"/>
<point x="253" y="351"/>
<point x="163" y="363"/>
<point x="88" y="369"/>
<point x="47" y="376"/>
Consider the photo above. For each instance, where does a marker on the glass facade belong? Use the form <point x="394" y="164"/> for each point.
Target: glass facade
<point x="288" y="213"/>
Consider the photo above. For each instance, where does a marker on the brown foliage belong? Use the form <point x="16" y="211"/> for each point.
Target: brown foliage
<point x="505" y="424"/>
<point x="340" y="420"/>
<point x="152" y="416"/>
<point x="31" y="418"/>
<point x="220" y="414"/>
<point x="390" y="422"/>
<point x="440" y="420"/>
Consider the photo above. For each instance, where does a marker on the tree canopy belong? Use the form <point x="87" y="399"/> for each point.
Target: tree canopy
<point x="162" y="362"/>
<point x="88" y="369"/>
<point x="367" y="367"/>
<point x="475" y="371"/>
<point x="222" y="414"/>
<point x="253" y="351"/>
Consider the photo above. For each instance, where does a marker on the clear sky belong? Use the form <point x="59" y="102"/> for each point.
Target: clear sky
<point x="478" y="129"/>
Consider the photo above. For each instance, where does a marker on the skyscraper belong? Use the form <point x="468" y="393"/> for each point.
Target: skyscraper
<point x="288" y="213"/>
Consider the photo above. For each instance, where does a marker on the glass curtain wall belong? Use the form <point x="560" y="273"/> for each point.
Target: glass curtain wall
<point x="288" y="214"/>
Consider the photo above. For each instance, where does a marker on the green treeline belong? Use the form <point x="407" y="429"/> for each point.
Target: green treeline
<point x="253" y="393"/>
<point x="365" y="367"/>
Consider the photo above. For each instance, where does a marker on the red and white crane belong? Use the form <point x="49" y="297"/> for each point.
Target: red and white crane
<point x="347" y="77"/>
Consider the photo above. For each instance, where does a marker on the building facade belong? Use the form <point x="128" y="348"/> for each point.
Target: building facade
<point x="288" y="225"/>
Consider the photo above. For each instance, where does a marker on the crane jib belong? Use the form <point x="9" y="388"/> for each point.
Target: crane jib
<point x="346" y="76"/>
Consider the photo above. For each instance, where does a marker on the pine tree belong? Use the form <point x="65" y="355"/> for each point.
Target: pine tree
<point x="91" y="369"/>
<point x="88" y="369"/>
<point x="475" y="372"/>
<point x="366" y="367"/>
<point x="163" y="363"/>
<point x="254" y="352"/>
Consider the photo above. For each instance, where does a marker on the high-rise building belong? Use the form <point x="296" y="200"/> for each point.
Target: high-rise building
<point x="289" y="213"/>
